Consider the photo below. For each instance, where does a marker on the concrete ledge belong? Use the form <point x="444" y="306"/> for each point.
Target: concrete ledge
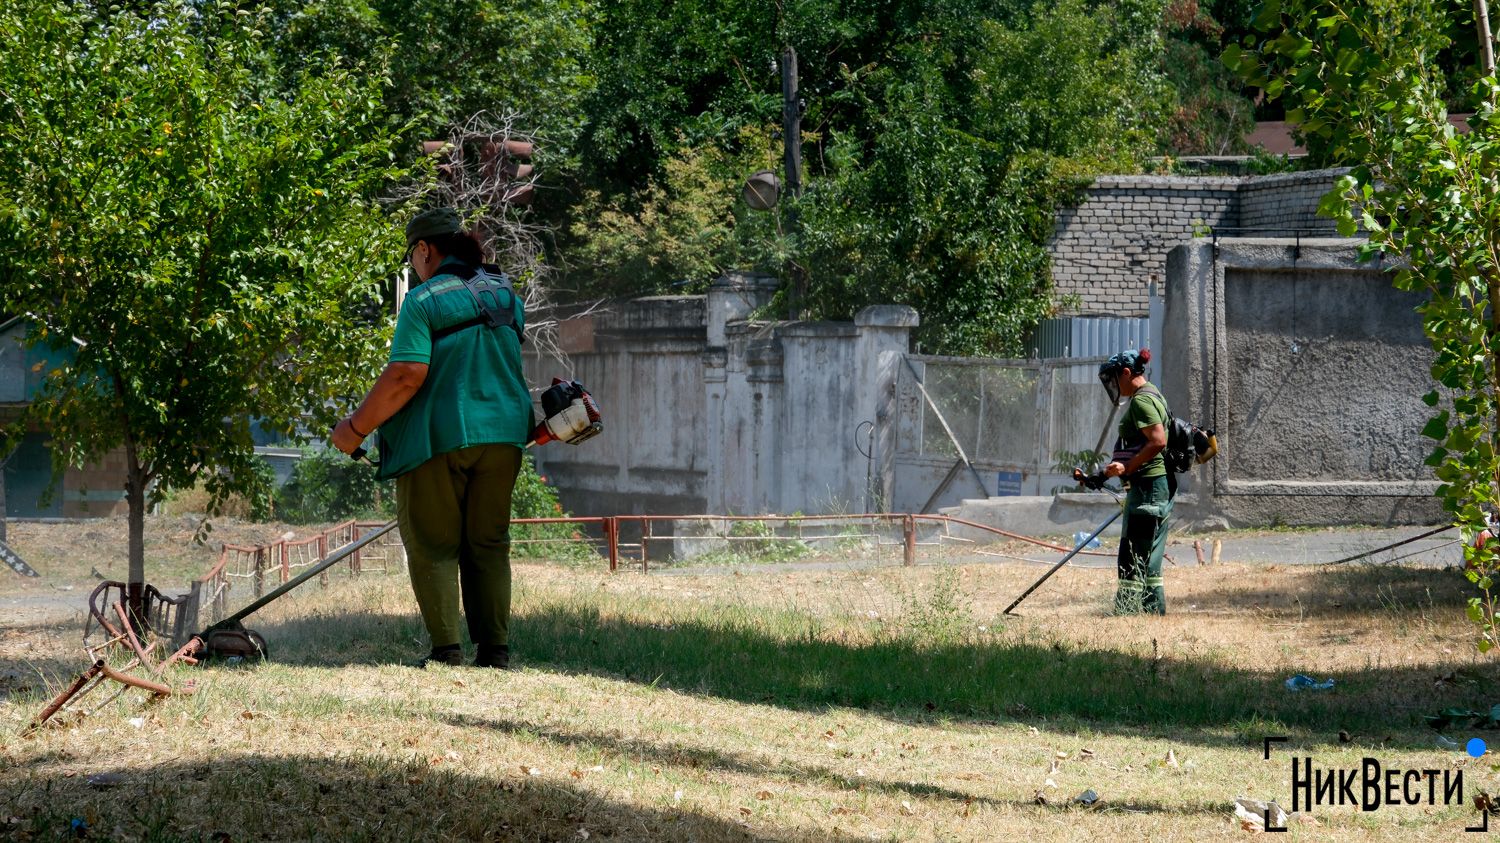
<point x="887" y="316"/>
<point x="1033" y="515"/>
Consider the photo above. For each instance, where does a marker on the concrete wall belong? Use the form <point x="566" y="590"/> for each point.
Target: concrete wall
<point x="707" y="411"/>
<point x="642" y="360"/>
<point x="1109" y="248"/>
<point x="1311" y="367"/>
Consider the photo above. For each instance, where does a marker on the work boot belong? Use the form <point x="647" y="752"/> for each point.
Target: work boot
<point x="452" y="655"/>
<point x="493" y="655"/>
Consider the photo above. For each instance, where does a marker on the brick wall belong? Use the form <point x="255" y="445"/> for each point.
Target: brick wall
<point x="1108" y="249"/>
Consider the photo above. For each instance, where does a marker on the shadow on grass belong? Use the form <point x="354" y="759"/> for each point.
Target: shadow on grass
<point x="362" y="798"/>
<point x="680" y="755"/>
<point x="26" y="681"/>
<point x="802" y="663"/>
<point x="1371" y="592"/>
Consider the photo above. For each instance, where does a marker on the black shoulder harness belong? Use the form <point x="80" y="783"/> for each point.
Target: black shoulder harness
<point x="490" y="316"/>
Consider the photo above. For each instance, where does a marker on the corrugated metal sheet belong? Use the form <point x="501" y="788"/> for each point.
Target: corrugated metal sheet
<point x="1090" y="336"/>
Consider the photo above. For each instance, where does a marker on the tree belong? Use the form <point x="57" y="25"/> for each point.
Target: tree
<point x="451" y="59"/>
<point x="212" y="245"/>
<point x="939" y="138"/>
<point x="1364" y="85"/>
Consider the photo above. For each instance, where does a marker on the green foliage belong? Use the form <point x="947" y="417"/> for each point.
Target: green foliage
<point x="943" y="616"/>
<point x="207" y="244"/>
<point x="1211" y="115"/>
<point x="262" y="493"/>
<point x="683" y="230"/>
<point x="534" y="498"/>
<point x="938" y="139"/>
<point x="327" y="486"/>
<point x="751" y="542"/>
<point x="1364" y="85"/>
<point x="449" y="59"/>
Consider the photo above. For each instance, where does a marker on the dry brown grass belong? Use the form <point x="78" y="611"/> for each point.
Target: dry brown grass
<point x="766" y="705"/>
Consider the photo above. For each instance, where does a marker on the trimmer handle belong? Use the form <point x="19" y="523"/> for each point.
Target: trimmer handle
<point x="1089" y="481"/>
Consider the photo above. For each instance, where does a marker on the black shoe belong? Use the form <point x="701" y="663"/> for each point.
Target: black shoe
<point x="497" y="656"/>
<point x="452" y="656"/>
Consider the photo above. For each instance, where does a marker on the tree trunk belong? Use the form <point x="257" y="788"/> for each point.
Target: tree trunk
<point x="1486" y="41"/>
<point x="135" y="495"/>
<point x="2" y="500"/>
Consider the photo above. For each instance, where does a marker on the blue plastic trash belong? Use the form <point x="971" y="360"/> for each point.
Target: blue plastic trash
<point x="1303" y="682"/>
<point x="1078" y="539"/>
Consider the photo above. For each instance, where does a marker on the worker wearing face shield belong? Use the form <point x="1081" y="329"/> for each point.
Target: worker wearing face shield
<point x="1137" y="459"/>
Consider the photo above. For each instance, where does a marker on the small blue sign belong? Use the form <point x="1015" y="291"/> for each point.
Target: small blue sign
<point x="1008" y="483"/>
<point x="1476" y="747"/>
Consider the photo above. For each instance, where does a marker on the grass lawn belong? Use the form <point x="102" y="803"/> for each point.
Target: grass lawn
<point x="759" y="703"/>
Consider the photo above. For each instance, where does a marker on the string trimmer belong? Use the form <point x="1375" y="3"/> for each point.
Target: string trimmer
<point x="1089" y="481"/>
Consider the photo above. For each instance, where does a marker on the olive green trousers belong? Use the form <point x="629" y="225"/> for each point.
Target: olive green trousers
<point x="1143" y="543"/>
<point x="454" y="515"/>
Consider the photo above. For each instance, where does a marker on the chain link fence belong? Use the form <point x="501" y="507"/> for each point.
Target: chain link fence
<point x="1017" y="421"/>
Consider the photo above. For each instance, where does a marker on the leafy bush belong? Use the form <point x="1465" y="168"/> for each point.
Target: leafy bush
<point x="328" y="486"/>
<point x="533" y="498"/>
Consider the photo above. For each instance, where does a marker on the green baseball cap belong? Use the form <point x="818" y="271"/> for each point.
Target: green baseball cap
<point x="432" y="223"/>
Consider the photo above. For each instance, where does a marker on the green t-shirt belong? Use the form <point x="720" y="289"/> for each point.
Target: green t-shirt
<point x="475" y="392"/>
<point x="1146" y="407"/>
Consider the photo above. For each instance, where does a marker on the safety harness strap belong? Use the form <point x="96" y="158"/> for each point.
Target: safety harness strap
<point x="491" y="317"/>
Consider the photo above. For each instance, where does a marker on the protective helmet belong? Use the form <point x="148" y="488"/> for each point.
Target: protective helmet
<point x="1109" y="370"/>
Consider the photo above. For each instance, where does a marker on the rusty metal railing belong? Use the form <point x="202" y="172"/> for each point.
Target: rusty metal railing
<point x="616" y="549"/>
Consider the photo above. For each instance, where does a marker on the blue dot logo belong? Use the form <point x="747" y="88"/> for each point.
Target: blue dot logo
<point x="1476" y="747"/>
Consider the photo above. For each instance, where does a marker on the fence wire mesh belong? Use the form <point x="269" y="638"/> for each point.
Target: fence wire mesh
<point x="1024" y="416"/>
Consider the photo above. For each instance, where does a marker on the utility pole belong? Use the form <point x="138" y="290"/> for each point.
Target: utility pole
<point x="1486" y="43"/>
<point x="791" y="142"/>
<point x="791" y="120"/>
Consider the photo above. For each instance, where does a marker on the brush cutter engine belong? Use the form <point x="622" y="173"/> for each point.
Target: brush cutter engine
<point x="572" y="415"/>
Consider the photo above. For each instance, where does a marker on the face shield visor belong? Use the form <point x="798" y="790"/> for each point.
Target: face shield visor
<point x="1111" y="380"/>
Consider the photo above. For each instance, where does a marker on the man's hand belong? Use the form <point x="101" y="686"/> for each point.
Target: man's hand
<point x="1114" y="469"/>
<point x="344" y="438"/>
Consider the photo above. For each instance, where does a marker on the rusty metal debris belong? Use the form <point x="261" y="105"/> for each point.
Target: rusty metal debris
<point x="95" y="676"/>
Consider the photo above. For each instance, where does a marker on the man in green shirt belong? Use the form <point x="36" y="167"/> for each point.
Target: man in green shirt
<point x="1148" y="501"/>
<point x="454" y="413"/>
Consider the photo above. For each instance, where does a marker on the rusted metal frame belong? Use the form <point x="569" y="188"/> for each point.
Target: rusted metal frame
<point x="186" y="653"/>
<point x="135" y="681"/>
<point x="95" y="649"/>
<point x="98" y="606"/>
<point x="322" y="552"/>
<point x="260" y="571"/>
<point x="612" y="538"/>
<point x="130" y="636"/>
<point x="90" y="679"/>
<point x="62" y="699"/>
<point x="336" y="556"/>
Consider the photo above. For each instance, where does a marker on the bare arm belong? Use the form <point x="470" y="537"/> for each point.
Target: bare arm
<point x="1156" y="440"/>
<point x="395" y="386"/>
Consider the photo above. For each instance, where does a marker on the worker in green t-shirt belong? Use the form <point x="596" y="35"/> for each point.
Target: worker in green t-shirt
<point x="454" y="413"/>
<point x="1148" y="500"/>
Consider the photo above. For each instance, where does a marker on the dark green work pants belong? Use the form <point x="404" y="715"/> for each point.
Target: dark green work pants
<point x="1143" y="543"/>
<point x="454" y="516"/>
